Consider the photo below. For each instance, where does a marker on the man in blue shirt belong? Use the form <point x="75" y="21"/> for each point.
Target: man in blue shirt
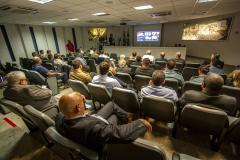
<point x="48" y="73"/>
<point x="156" y="88"/>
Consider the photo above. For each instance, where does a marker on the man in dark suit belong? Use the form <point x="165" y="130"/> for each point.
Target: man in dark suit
<point x="210" y="94"/>
<point x="20" y="92"/>
<point x="145" y="69"/>
<point x="109" y="125"/>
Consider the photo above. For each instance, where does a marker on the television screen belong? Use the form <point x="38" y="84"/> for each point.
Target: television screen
<point x="148" y="36"/>
<point x="213" y="31"/>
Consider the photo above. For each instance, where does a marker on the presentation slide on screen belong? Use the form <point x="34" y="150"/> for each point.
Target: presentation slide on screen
<point x="148" y="36"/>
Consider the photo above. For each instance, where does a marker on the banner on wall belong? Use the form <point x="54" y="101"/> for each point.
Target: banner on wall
<point x="97" y="34"/>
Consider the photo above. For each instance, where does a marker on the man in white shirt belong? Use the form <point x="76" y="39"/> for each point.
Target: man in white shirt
<point x="104" y="79"/>
<point x="149" y="56"/>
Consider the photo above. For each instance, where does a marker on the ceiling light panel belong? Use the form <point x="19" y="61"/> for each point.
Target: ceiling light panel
<point x="204" y="1"/>
<point x="41" y="1"/>
<point x="48" y="22"/>
<point x="143" y="7"/>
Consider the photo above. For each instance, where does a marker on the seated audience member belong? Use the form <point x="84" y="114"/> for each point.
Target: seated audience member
<point x="156" y="87"/>
<point x="108" y="125"/>
<point x="178" y="58"/>
<point x="112" y="68"/>
<point x="138" y="61"/>
<point x="78" y="74"/>
<point x="123" y="67"/>
<point x="48" y="73"/>
<point x="145" y="69"/>
<point x="236" y="79"/>
<point x="20" y="92"/>
<point x="149" y="56"/>
<point x="171" y="74"/>
<point x="49" y="52"/>
<point x="162" y="57"/>
<point x="79" y="52"/>
<point x="133" y="56"/>
<point x="236" y="70"/>
<point x="202" y="72"/>
<point x="210" y="94"/>
<point x="34" y="54"/>
<point x="42" y="54"/>
<point x="219" y="63"/>
<point x="50" y="58"/>
<point x="103" y="55"/>
<point x="58" y="60"/>
<point x="214" y="67"/>
<point x="122" y="57"/>
<point x="103" y="78"/>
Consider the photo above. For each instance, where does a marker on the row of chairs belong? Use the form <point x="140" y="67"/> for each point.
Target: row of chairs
<point x="140" y="148"/>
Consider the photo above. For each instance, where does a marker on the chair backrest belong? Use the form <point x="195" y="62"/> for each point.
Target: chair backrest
<point x="202" y="119"/>
<point x="193" y="65"/>
<point x="141" y="81"/>
<point x="125" y="77"/>
<point x="52" y="85"/>
<point x="92" y="65"/>
<point x="139" y="149"/>
<point x="233" y="92"/>
<point x="179" y="66"/>
<point x="36" y="78"/>
<point x="233" y="132"/>
<point x="80" y="87"/>
<point x="41" y="120"/>
<point x="162" y="64"/>
<point x="188" y="72"/>
<point x="57" y="138"/>
<point x="191" y="86"/>
<point x="172" y="84"/>
<point x="158" y="108"/>
<point x="134" y="67"/>
<point x="99" y="93"/>
<point x="18" y="110"/>
<point x="126" y="99"/>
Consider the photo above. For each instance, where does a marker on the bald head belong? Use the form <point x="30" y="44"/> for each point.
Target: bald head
<point x="178" y="54"/>
<point x="72" y="105"/>
<point x="162" y="54"/>
<point x="37" y="60"/>
<point x="213" y="83"/>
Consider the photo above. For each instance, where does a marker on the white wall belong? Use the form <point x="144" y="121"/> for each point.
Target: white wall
<point x="229" y="49"/>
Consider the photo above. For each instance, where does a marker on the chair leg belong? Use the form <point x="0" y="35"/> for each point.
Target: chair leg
<point x="233" y="149"/>
<point x="174" y="130"/>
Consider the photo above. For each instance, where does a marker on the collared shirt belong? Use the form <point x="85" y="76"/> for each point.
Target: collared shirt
<point x="40" y="69"/>
<point x="216" y="70"/>
<point x="173" y="75"/>
<point x="160" y="91"/>
<point x="151" y="57"/>
<point x="105" y="80"/>
<point x="197" y="79"/>
<point x="78" y="74"/>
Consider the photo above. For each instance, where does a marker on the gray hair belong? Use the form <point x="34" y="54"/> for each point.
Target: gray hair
<point x="14" y="77"/>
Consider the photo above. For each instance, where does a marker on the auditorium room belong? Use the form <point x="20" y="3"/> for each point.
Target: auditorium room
<point x="119" y="79"/>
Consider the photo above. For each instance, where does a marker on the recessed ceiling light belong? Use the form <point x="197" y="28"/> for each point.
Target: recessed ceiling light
<point x="204" y="1"/>
<point x="100" y="14"/>
<point x="48" y="22"/>
<point x="73" y="19"/>
<point x="41" y="1"/>
<point x="143" y="7"/>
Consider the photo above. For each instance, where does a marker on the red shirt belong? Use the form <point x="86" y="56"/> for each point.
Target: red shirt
<point x="70" y="47"/>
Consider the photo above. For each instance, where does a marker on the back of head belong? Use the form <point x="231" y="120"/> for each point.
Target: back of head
<point x="104" y="68"/>
<point x="122" y="63"/>
<point x="213" y="83"/>
<point x="72" y="105"/>
<point x="139" y="59"/>
<point x="41" y="51"/>
<point x="146" y="62"/>
<point x="122" y="56"/>
<point x="49" y="51"/>
<point x="148" y="52"/>
<point x="162" y="54"/>
<point x="37" y="60"/>
<point x="14" y="77"/>
<point x="158" y="77"/>
<point x="134" y="54"/>
<point x="171" y="64"/>
<point x="50" y="56"/>
<point x="76" y="64"/>
<point x="236" y="78"/>
<point x="178" y="54"/>
<point x="203" y="69"/>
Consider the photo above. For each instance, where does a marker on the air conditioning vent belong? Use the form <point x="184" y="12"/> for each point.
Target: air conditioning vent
<point x="161" y="14"/>
<point x="18" y="10"/>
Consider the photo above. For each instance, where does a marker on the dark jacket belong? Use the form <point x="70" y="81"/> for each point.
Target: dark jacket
<point x="144" y="71"/>
<point x="223" y="102"/>
<point x="33" y="95"/>
<point x="94" y="133"/>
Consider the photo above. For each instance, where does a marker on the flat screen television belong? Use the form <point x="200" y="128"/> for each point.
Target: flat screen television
<point x="210" y="31"/>
<point x="148" y="36"/>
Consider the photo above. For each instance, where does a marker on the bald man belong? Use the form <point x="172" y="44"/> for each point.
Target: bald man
<point x="178" y="58"/>
<point x="109" y="125"/>
<point x="48" y="73"/>
<point x="162" y="57"/>
<point x="210" y="95"/>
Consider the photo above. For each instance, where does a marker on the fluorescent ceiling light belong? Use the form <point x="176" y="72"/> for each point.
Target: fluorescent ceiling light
<point x="73" y="19"/>
<point x="41" y="1"/>
<point x="48" y="22"/>
<point x="143" y="7"/>
<point x="100" y="14"/>
<point x="204" y="1"/>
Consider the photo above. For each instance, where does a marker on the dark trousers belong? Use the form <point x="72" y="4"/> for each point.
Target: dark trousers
<point x="113" y="113"/>
<point x="64" y="77"/>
